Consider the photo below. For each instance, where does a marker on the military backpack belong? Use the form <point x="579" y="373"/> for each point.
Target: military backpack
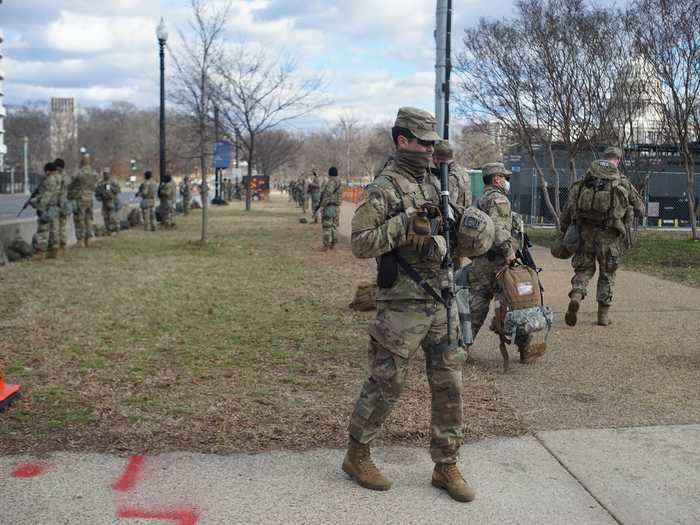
<point x="599" y="199"/>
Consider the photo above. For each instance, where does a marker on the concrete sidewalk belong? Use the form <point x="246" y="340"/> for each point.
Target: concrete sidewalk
<point x="633" y="476"/>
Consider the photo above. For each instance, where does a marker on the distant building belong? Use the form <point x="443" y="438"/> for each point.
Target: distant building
<point x="63" y="132"/>
<point x="3" y="148"/>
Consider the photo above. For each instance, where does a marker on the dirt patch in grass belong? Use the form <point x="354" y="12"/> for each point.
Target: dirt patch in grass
<point x="150" y="342"/>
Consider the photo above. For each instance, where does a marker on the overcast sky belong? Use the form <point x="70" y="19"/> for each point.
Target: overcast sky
<point x="373" y="54"/>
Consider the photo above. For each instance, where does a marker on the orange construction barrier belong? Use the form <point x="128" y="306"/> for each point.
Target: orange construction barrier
<point x="352" y="194"/>
<point x="8" y="393"/>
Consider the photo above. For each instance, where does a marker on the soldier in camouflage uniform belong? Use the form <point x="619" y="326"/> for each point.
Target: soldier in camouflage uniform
<point x="47" y="202"/>
<point x="107" y="192"/>
<point x="394" y="220"/>
<point x="329" y="203"/>
<point x="147" y="193"/>
<point x="81" y="189"/>
<point x="482" y="279"/>
<point x="601" y="241"/>
<point x="459" y="181"/>
<point x="65" y="205"/>
<point x="167" y="193"/>
<point x="186" y="193"/>
<point x="314" y="189"/>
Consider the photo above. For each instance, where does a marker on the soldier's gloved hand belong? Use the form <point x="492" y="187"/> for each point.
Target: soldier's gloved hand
<point x="419" y="233"/>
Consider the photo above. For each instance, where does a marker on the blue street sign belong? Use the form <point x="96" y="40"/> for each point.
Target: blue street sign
<point x="222" y="155"/>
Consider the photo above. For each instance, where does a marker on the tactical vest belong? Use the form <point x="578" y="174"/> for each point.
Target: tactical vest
<point x="413" y="195"/>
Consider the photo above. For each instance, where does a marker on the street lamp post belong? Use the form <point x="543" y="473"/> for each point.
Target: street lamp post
<point x="26" y="165"/>
<point x="162" y="34"/>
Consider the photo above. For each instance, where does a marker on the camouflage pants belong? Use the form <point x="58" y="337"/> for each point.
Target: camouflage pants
<point x="83" y="219"/>
<point x="186" y="206"/>
<point x="603" y="246"/>
<point x="482" y="288"/>
<point x="62" y="229"/>
<point x="109" y="217"/>
<point x="399" y="329"/>
<point x="148" y="216"/>
<point x="47" y="235"/>
<point x="329" y="225"/>
<point x="166" y="214"/>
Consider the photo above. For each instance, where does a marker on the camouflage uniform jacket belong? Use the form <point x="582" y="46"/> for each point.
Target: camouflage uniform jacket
<point x="186" y="189"/>
<point x="65" y="183"/>
<point x="331" y="193"/>
<point x="83" y="185"/>
<point x="313" y="186"/>
<point x="167" y="191"/>
<point x="380" y="222"/>
<point x="494" y="202"/>
<point x="147" y="191"/>
<point x="107" y="191"/>
<point x="603" y="170"/>
<point x="459" y="183"/>
<point x="49" y="194"/>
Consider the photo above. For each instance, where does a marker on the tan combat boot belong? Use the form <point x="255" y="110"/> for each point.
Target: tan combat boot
<point x="447" y="476"/>
<point x="86" y="241"/>
<point x="571" y="313"/>
<point x="603" y="315"/>
<point x="359" y="466"/>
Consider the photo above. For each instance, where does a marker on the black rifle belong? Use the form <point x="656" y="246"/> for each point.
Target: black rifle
<point x="29" y="199"/>
<point x="525" y="255"/>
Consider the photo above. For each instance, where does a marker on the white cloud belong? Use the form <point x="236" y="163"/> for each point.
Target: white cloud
<point x="82" y="33"/>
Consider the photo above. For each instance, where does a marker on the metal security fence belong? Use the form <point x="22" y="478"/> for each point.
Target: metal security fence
<point x="12" y="181"/>
<point x="665" y="194"/>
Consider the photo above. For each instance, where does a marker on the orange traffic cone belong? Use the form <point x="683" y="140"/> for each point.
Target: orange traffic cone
<point x="8" y="393"/>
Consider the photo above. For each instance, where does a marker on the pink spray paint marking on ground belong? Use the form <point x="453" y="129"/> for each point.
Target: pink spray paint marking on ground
<point x="178" y="517"/>
<point x="29" y="470"/>
<point x="129" y="477"/>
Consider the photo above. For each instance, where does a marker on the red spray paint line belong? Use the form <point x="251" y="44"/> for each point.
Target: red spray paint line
<point x="129" y="477"/>
<point x="179" y="517"/>
<point x="30" y="470"/>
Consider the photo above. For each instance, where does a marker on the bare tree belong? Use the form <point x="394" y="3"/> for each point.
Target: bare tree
<point x="257" y="93"/>
<point x="195" y="62"/>
<point x="276" y="148"/>
<point x="499" y="81"/>
<point x="31" y="121"/>
<point x="476" y="147"/>
<point x="667" y="36"/>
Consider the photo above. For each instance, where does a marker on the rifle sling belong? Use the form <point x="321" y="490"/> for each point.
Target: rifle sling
<point x="418" y="279"/>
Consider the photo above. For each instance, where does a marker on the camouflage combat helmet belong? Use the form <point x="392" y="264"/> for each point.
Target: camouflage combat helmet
<point x="475" y="234"/>
<point x="495" y="168"/>
<point x="421" y="123"/>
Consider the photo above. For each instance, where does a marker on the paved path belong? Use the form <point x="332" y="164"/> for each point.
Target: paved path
<point x="631" y="476"/>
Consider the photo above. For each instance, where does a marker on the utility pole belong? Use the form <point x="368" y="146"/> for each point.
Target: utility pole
<point x="441" y="59"/>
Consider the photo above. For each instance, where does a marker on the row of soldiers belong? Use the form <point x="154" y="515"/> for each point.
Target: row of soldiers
<point x="62" y="195"/>
<point x="325" y="201"/>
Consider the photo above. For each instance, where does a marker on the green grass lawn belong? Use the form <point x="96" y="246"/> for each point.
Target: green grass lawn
<point x="671" y="255"/>
<point x="151" y="341"/>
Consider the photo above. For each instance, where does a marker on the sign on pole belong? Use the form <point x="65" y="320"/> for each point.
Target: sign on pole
<point x="222" y="155"/>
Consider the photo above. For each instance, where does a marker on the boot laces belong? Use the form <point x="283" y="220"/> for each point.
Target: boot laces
<point x="452" y="473"/>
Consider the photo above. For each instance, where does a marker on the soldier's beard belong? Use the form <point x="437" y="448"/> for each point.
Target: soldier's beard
<point x="414" y="161"/>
